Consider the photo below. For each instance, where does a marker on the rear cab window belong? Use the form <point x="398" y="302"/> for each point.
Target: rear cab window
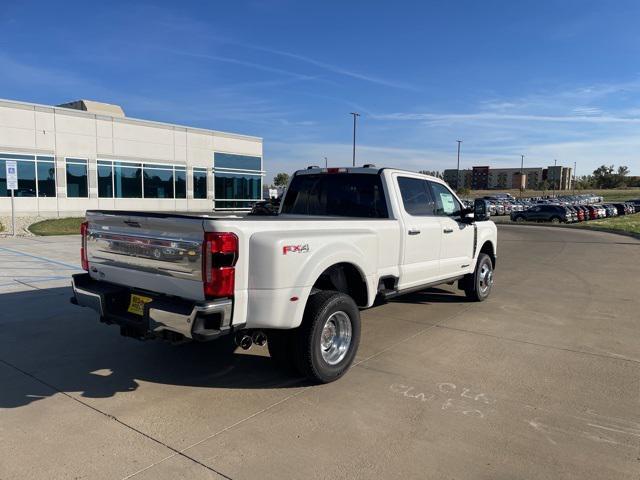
<point x="336" y="194"/>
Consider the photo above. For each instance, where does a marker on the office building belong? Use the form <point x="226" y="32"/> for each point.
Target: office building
<point x="90" y="155"/>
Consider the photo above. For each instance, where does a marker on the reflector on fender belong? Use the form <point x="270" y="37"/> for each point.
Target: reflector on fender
<point x="84" y="259"/>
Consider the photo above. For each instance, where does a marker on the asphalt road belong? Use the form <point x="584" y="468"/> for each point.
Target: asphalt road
<point x="542" y="381"/>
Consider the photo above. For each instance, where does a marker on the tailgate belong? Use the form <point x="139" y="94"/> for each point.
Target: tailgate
<point x="155" y="252"/>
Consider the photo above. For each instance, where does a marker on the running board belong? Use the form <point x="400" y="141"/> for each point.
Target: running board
<point x="389" y="294"/>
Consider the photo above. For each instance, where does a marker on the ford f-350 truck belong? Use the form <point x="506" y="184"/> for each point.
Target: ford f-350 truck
<point x="344" y="238"/>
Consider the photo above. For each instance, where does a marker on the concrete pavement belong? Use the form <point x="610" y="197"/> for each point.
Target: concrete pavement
<point x="540" y="381"/>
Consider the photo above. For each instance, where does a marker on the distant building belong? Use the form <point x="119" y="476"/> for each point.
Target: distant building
<point x="486" y="178"/>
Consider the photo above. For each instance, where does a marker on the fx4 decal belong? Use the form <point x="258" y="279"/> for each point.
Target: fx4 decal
<point x="295" y="249"/>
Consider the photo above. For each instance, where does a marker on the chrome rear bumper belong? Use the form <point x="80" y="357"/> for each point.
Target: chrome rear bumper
<point x="194" y="320"/>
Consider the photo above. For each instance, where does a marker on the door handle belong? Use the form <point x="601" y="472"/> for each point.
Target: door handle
<point x="448" y="230"/>
<point x="414" y="231"/>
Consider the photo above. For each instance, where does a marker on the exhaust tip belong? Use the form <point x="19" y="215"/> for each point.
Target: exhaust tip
<point x="244" y="341"/>
<point x="259" y="338"/>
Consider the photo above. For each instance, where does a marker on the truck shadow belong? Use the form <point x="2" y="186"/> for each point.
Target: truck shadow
<point x="48" y="346"/>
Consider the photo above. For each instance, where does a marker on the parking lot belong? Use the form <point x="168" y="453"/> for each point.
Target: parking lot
<point x="540" y="381"/>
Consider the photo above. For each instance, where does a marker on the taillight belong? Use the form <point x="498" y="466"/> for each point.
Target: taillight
<point x="84" y="230"/>
<point x="220" y="253"/>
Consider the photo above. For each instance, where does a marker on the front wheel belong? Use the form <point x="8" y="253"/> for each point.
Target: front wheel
<point x="328" y="339"/>
<point x="479" y="283"/>
<point x="555" y="220"/>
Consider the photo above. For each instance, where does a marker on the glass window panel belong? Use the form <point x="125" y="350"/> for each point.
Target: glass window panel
<point x="83" y="161"/>
<point x="3" y="179"/>
<point x="76" y="181"/>
<point x="127" y="164"/>
<point x="105" y="181"/>
<point x="26" y="179"/>
<point x="345" y="195"/>
<point x="127" y="182"/>
<point x="233" y="204"/>
<point x="46" y="158"/>
<point x="446" y="203"/>
<point x="181" y="184"/>
<point x="158" y="183"/>
<point x="46" y="179"/>
<point x="416" y="196"/>
<point x="199" y="184"/>
<point x="12" y="156"/>
<point x="105" y="162"/>
<point x="241" y="162"/>
<point x="232" y="186"/>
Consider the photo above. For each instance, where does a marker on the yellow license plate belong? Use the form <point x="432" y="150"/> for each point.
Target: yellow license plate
<point x="136" y="304"/>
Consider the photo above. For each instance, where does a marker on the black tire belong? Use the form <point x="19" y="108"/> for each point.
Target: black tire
<point x="519" y="219"/>
<point x="308" y="350"/>
<point x="478" y="285"/>
<point x="280" y="345"/>
<point x="555" y="220"/>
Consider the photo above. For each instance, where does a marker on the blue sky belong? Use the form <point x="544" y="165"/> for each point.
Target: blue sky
<point x="547" y="79"/>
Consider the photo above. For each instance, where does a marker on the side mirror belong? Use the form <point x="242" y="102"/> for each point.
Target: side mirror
<point x="481" y="210"/>
<point x="466" y="215"/>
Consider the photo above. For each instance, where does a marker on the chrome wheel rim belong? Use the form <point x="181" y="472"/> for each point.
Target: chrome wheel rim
<point x="335" y="338"/>
<point x="486" y="278"/>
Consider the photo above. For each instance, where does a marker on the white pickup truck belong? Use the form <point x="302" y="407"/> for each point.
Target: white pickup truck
<point x="344" y="238"/>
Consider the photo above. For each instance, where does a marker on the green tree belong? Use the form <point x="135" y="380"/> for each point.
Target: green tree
<point x="281" y="180"/>
<point x="585" y="182"/>
<point x="433" y="173"/>
<point x="543" y="185"/>
<point x="609" y="177"/>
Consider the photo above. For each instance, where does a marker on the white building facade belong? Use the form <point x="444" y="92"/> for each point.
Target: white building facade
<point x="88" y="155"/>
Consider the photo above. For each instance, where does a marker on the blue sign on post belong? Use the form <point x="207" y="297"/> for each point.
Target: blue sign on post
<point x="12" y="174"/>
<point x="12" y="184"/>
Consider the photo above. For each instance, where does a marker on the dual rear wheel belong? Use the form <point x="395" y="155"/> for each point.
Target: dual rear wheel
<point x="325" y="345"/>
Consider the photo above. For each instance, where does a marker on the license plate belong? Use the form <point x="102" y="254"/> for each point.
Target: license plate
<point x="136" y="304"/>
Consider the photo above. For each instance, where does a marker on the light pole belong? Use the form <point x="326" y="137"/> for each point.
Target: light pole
<point x="555" y="173"/>
<point x="326" y="162"/>
<point x="458" y="169"/>
<point x="522" y="175"/>
<point x="574" y="177"/>
<point x="355" y="115"/>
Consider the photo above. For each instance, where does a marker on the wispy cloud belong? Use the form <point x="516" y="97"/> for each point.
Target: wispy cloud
<point x="331" y="68"/>
<point x="243" y="63"/>
<point x="483" y="116"/>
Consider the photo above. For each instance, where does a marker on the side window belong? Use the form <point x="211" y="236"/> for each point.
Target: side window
<point x="416" y="196"/>
<point x="446" y="202"/>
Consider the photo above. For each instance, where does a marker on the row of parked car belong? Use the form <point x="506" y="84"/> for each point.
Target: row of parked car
<point x="572" y="213"/>
<point x="562" y="209"/>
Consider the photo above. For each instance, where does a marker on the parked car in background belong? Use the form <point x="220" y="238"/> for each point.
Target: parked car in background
<point x="545" y="213"/>
<point x="266" y="207"/>
<point x="579" y="213"/>
<point x="621" y="208"/>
